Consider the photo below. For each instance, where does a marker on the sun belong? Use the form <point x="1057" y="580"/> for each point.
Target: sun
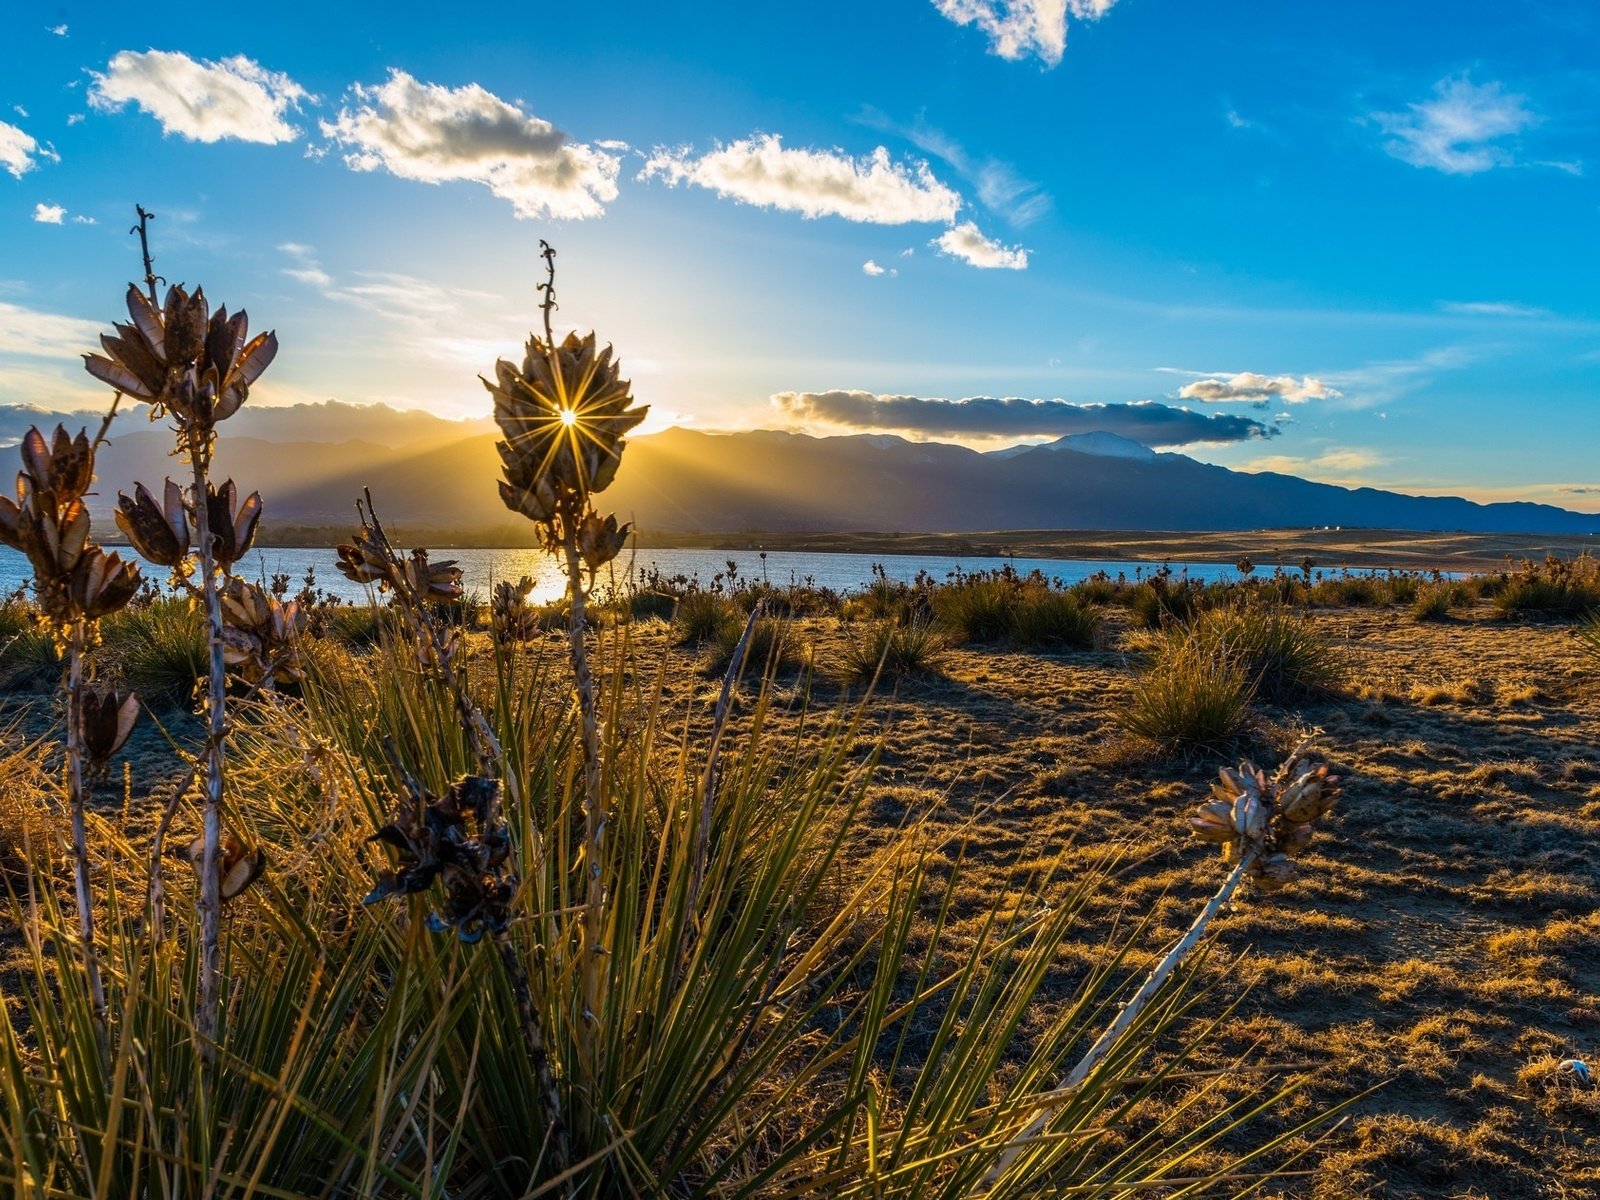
<point x="569" y="416"/>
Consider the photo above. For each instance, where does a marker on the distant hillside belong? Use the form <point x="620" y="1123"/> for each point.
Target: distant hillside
<point x="430" y="474"/>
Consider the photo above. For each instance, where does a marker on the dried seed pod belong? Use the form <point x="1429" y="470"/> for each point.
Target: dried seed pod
<point x="108" y="717"/>
<point x="63" y="466"/>
<point x="160" y="533"/>
<point x="1213" y="822"/>
<point x="1273" y="873"/>
<point x="233" y="525"/>
<point x="102" y="583"/>
<point x="600" y="540"/>
<point x="238" y="865"/>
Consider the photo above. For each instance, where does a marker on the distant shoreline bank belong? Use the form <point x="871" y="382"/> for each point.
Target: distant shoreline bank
<point x="1266" y="548"/>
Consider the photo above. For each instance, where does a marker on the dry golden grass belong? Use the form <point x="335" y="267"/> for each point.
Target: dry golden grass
<point x="1441" y="948"/>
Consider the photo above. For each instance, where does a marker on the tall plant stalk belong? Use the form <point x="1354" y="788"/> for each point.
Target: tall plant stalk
<point x="206" y="1015"/>
<point x="77" y="798"/>
<point x="594" y="811"/>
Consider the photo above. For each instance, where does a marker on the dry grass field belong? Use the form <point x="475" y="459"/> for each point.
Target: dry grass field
<point x="1437" y="958"/>
<point x="1442" y="949"/>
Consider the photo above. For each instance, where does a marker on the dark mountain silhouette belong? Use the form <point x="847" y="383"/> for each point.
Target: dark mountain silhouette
<point x="683" y="481"/>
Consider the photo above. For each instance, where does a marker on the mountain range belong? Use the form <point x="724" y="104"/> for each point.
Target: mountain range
<point x="436" y="476"/>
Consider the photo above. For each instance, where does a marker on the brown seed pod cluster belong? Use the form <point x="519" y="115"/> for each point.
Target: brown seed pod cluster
<point x="1267" y="819"/>
<point x="73" y="578"/>
<point x="460" y="840"/>
<point x="238" y="865"/>
<point x="364" y="560"/>
<point x="512" y="617"/>
<point x="565" y="414"/>
<point x="182" y="358"/>
<point x="260" y="633"/>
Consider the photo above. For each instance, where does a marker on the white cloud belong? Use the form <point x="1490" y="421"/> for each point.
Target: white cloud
<point x="436" y="134"/>
<point x="1018" y="28"/>
<point x="33" y="334"/>
<point x="306" y="268"/>
<point x="80" y="219"/>
<point x="17" y="150"/>
<point x="1462" y="130"/>
<point x="49" y="214"/>
<point x="966" y="242"/>
<point x="76" y="118"/>
<point x="20" y="111"/>
<point x="201" y="100"/>
<point x="814" y="183"/>
<point x="1258" y="389"/>
<point x="871" y="268"/>
<point x="59" y="30"/>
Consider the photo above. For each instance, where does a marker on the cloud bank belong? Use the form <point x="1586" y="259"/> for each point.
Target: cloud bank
<point x="760" y="170"/>
<point x="1146" y="421"/>
<point x="1249" y="387"/>
<point x="201" y="100"/>
<point x="1462" y="130"/>
<point x="966" y="242"/>
<point x="1019" y="28"/>
<point x="436" y="134"/>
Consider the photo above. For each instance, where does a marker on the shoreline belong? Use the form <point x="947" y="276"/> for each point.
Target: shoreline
<point x="1377" y="549"/>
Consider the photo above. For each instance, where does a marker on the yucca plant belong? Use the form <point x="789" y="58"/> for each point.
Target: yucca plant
<point x="76" y="584"/>
<point x="1192" y="696"/>
<point x="194" y="367"/>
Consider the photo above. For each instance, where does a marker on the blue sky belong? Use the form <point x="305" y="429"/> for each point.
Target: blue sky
<point x="1357" y="242"/>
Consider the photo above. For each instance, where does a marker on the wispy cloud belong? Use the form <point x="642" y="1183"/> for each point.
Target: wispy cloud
<point x="1000" y="187"/>
<point x="1261" y="390"/>
<point x="304" y="266"/>
<point x="18" y="150"/>
<point x="1338" y="465"/>
<point x="203" y="101"/>
<point x="1146" y="421"/>
<point x="872" y="268"/>
<point x="1487" y="308"/>
<point x="58" y="30"/>
<point x="49" y="214"/>
<point x="760" y="170"/>
<point x="966" y="242"/>
<point x="1018" y="29"/>
<point x="436" y="134"/>
<point x="1464" y="129"/>
<point x="34" y="334"/>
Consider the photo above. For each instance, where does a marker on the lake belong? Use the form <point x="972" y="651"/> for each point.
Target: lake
<point x="842" y="572"/>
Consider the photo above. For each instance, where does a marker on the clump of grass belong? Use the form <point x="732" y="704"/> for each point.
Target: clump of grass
<point x="1434" y="602"/>
<point x="159" y="649"/>
<point x="28" y="655"/>
<point x="1159" y="602"/>
<point x="1193" y="696"/>
<point x="977" y="609"/>
<point x="1556" y="587"/>
<point x="893" y="651"/>
<point x="1281" y="654"/>
<point x="358" y="625"/>
<point x="774" y="646"/>
<point x="1048" y="618"/>
<point x="705" y="617"/>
